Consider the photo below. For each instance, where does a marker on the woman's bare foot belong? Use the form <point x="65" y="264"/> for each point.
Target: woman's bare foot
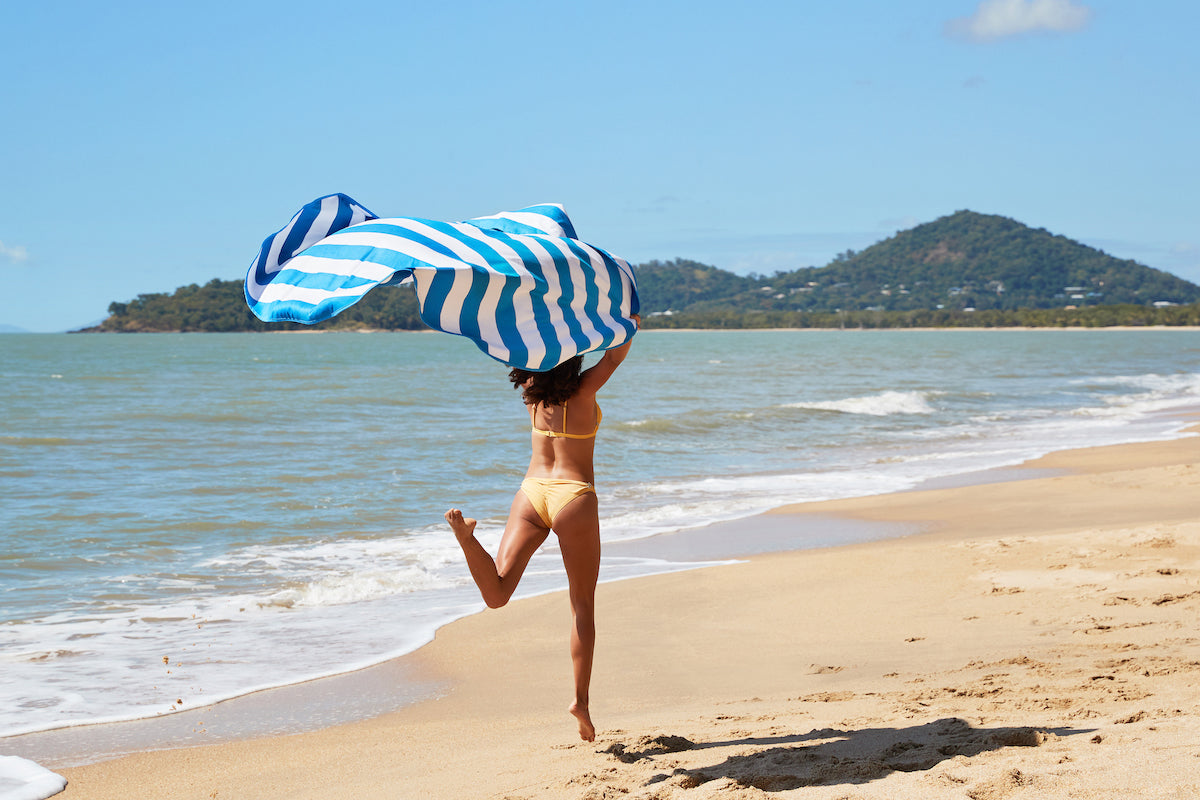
<point x="464" y="528"/>
<point x="587" y="731"/>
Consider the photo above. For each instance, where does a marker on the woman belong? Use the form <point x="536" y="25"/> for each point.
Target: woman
<point x="557" y="495"/>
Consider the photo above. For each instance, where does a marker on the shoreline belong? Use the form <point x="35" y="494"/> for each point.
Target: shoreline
<point x="395" y="684"/>
<point x="694" y="330"/>
<point x="952" y="328"/>
<point x="539" y="619"/>
<point x="960" y="659"/>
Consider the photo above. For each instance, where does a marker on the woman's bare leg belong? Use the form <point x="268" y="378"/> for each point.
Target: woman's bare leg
<point x="497" y="578"/>
<point x="578" y="529"/>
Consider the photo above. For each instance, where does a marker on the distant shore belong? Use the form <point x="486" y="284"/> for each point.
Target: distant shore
<point x="651" y="327"/>
<point x="952" y="328"/>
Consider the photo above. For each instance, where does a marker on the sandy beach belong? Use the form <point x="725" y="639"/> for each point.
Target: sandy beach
<point x="1037" y="639"/>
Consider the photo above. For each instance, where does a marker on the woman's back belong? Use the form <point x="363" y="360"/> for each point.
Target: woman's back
<point x="564" y="438"/>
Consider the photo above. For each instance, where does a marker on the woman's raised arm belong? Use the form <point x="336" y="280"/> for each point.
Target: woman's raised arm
<point x="598" y="374"/>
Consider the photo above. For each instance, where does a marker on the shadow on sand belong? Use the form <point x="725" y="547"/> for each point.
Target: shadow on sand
<point x="832" y="756"/>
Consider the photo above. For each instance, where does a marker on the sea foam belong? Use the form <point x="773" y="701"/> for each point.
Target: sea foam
<point x="875" y="405"/>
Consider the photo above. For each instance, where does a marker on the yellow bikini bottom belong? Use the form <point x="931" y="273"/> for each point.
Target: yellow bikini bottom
<point x="549" y="496"/>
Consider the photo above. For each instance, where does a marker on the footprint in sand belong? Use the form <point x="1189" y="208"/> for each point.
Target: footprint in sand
<point x="1002" y="787"/>
<point x="818" y="669"/>
<point x="648" y="747"/>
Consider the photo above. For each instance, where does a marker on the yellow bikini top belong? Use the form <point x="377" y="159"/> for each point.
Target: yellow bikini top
<point x="563" y="433"/>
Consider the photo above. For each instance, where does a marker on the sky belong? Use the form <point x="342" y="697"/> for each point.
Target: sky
<point x="148" y="145"/>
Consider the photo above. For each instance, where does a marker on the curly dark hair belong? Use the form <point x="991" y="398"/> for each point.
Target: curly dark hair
<point x="553" y="387"/>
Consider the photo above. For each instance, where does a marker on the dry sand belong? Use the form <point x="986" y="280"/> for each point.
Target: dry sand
<point x="1039" y="640"/>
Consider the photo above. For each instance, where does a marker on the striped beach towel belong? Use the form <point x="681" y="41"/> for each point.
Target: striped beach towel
<point x="519" y="284"/>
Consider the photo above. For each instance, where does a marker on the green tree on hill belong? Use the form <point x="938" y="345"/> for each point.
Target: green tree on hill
<point x="220" y="307"/>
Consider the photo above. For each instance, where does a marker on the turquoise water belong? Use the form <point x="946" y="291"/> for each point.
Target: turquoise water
<point x="190" y="517"/>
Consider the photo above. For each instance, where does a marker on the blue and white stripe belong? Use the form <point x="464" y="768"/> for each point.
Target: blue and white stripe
<point x="519" y="284"/>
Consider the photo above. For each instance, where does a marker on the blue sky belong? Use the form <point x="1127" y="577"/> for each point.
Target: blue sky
<point x="147" y="146"/>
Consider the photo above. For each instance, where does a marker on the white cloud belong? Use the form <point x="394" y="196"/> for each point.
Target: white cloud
<point x="14" y="254"/>
<point x="999" y="19"/>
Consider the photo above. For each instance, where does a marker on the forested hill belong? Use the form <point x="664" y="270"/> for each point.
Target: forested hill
<point x="220" y="306"/>
<point x="962" y="269"/>
<point x="965" y="260"/>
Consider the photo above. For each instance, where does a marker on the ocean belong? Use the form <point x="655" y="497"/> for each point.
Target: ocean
<point x="188" y="518"/>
